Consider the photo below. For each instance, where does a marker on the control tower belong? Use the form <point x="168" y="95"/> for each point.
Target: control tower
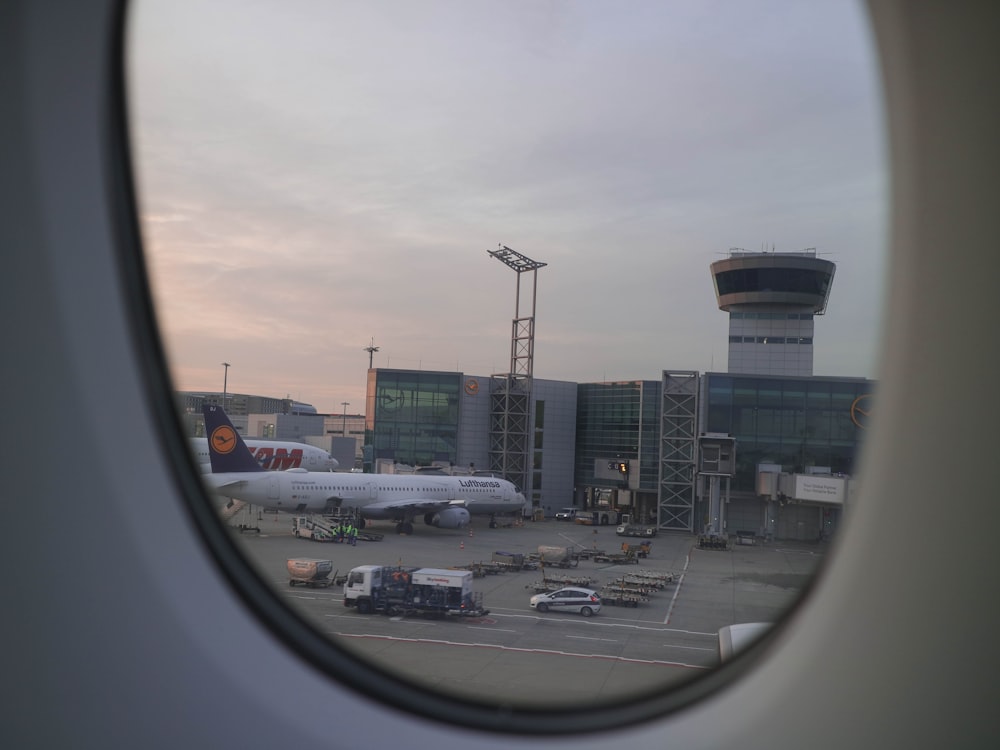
<point x="771" y="299"/>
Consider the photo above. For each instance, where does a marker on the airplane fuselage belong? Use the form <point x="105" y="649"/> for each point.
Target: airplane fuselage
<point x="300" y="491"/>
<point x="443" y="501"/>
<point x="274" y="455"/>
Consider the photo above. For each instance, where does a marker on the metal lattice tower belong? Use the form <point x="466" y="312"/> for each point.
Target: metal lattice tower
<point x="510" y="393"/>
<point x="678" y="451"/>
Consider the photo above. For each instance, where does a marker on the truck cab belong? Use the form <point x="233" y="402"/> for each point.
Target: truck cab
<point x="361" y="581"/>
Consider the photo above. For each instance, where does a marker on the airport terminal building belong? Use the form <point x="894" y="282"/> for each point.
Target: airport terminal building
<point x="765" y="449"/>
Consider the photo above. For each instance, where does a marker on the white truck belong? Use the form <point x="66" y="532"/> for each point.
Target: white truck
<point x="394" y="590"/>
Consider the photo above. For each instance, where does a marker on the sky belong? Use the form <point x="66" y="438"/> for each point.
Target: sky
<point x="315" y="177"/>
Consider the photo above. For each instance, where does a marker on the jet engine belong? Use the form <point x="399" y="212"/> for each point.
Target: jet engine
<point x="450" y="518"/>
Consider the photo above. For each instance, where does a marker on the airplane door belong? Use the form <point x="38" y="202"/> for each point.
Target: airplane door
<point x="273" y="490"/>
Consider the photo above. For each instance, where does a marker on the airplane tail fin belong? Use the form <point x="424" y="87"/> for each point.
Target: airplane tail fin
<point x="226" y="448"/>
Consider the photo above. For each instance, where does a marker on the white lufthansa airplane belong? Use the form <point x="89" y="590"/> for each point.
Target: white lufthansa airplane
<point x="274" y="455"/>
<point x="894" y="644"/>
<point x="443" y="501"/>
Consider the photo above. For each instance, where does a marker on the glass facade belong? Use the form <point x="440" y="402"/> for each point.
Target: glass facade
<point x="769" y="316"/>
<point x="795" y="422"/>
<point x="539" y="444"/>
<point x="618" y="420"/>
<point x="413" y="416"/>
<point x="773" y="279"/>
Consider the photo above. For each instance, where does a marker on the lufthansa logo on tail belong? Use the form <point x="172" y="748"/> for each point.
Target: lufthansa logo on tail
<point x="223" y="439"/>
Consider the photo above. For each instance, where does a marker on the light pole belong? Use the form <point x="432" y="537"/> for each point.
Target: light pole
<point x="225" y="383"/>
<point x="371" y="349"/>
<point x="345" y="404"/>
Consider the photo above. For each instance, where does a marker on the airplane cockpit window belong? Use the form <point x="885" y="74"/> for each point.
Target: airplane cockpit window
<point x="656" y="400"/>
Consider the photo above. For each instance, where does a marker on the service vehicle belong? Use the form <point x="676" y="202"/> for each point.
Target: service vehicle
<point x="638" y="550"/>
<point x="571" y="599"/>
<point x="396" y="590"/>
<point x="566" y="514"/>
<point x="325" y="529"/>
<point x="309" y="572"/>
<point x="560" y="557"/>
<point x="305" y="527"/>
<point x="599" y="517"/>
<point x="636" y="529"/>
<point x="627" y="556"/>
<point x="513" y="561"/>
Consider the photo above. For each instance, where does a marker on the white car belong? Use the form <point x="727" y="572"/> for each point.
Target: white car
<point x="583" y="601"/>
<point x="566" y="514"/>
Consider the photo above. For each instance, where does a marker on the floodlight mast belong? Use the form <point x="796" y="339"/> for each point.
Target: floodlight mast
<point x="371" y="349"/>
<point x="510" y="392"/>
<point x="522" y="345"/>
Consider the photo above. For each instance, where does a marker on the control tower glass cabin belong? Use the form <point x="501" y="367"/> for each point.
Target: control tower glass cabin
<point x="772" y="299"/>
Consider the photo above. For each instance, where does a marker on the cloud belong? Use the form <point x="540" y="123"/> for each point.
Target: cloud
<point x="315" y="178"/>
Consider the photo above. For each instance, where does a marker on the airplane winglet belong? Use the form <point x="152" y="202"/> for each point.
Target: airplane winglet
<point x="226" y="448"/>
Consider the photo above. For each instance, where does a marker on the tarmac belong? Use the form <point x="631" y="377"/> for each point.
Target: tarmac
<point x="517" y="655"/>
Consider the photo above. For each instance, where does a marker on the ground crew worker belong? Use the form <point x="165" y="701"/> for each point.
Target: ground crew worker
<point x="354" y="535"/>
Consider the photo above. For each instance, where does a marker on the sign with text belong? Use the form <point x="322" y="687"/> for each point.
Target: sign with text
<point x="820" y="489"/>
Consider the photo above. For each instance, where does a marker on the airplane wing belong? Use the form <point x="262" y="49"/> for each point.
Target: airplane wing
<point x="224" y="481"/>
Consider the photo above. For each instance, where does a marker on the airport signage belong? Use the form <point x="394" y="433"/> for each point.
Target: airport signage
<point x="820" y="489"/>
<point x="489" y="483"/>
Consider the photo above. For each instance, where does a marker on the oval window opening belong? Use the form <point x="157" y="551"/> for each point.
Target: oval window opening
<point x="445" y="292"/>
